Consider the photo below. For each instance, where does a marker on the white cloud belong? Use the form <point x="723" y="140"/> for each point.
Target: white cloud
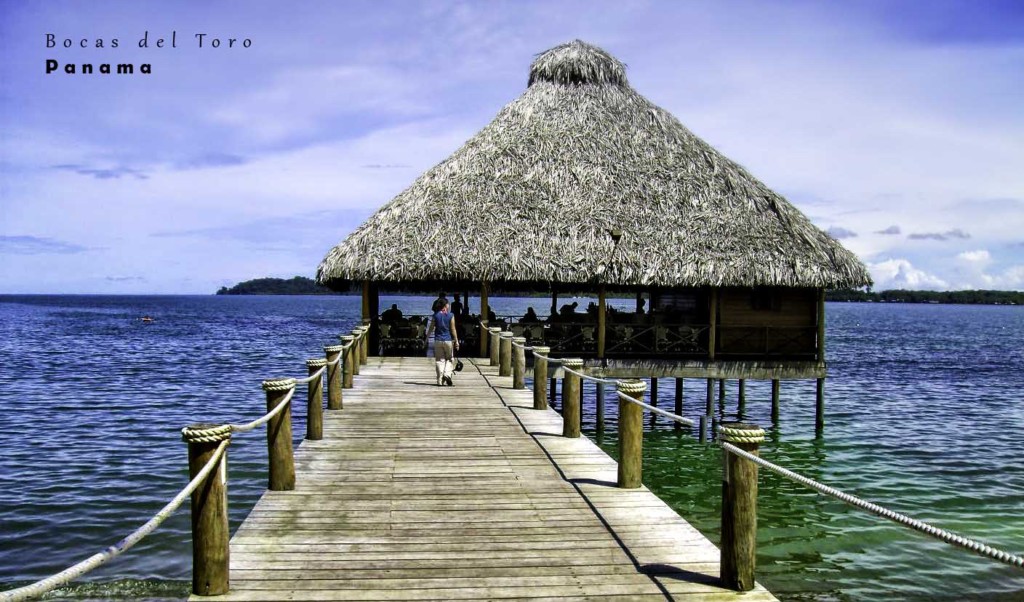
<point x="981" y="256"/>
<point x="900" y="274"/>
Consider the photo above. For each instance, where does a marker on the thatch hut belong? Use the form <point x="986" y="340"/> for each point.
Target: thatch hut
<point x="581" y="183"/>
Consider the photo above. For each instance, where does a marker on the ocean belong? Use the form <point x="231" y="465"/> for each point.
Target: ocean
<point x="924" y="415"/>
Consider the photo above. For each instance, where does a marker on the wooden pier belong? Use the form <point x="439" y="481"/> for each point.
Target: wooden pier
<point x="419" y="492"/>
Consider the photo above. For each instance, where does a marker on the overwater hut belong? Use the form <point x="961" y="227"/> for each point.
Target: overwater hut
<point x="582" y="184"/>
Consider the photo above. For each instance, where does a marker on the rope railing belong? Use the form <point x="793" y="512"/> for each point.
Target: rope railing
<point x="200" y="434"/>
<point x="896" y="517"/>
<point x="44" y="585"/>
<point x="244" y="428"/>
<point x="656" y="410"/>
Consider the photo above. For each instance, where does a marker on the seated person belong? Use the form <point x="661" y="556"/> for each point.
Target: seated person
<point x="531" y="316"/>
<point x="456" y="307"/>
<point x="490" y="315"/>
<point x="392" y="315"/>
<point x="568" y="310"/>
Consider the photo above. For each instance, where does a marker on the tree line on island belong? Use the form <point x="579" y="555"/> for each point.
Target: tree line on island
<point x="300" y="285"/>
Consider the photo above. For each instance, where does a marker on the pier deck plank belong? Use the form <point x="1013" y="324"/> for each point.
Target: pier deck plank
<point x="419" y="492"/>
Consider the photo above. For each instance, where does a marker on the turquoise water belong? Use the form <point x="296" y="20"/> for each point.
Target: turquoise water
<point x="924" y="416"/>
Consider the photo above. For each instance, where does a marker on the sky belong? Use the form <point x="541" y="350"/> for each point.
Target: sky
<point x="898" y="127"/>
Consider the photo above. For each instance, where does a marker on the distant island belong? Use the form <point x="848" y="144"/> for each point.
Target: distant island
<point x="299" y="285"/>
<point x="954" y="297"/>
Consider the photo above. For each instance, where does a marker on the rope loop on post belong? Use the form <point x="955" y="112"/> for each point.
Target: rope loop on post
<point x="279" y="384"/>
<point x="540" y="351"/>
<point x="573" y="362"/>
<point x="316" y="362"/>
<point x="334" y="349"/>
<point x="505" y="334"/>
<point x="741" y="435"/>
<point x="206" y="433"/>
<point x="631" y="386"/>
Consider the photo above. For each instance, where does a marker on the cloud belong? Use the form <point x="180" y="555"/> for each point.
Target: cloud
<point x="901" y="274"/>
<point x="972" y="269"/>
<point x="385" y="166"/>
<point x="975" y="257"/>
<point x="212" y="160"/>
<point x="954" y="233"/>
<point x="840" y="233"/>
<point x="891" y="230"/>
<point x="102" y="174"/>
<point x="34" y="245"/>
<point x="125" y="279"/>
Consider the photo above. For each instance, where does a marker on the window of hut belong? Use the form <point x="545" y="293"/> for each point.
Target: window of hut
<point x="765" y="300"/>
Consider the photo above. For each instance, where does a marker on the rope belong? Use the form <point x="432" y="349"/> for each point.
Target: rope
<point x="659" y="411"/>
<point x="522" y="346"/>
<point x="311" y="377"/>
<point x="242" y="428"/>
<point x="896" y="517"/>
<point x="603" y="381"/>
<point x="550" y="360"/>
<point x="41" y="587"/>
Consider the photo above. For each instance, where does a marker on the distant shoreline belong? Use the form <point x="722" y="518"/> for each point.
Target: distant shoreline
<point x="300" y="285"/>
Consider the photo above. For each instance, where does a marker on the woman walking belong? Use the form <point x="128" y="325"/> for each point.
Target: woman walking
<point x="446" y="341"/>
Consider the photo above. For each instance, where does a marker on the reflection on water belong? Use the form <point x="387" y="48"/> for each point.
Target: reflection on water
<point x="923" y="415"/>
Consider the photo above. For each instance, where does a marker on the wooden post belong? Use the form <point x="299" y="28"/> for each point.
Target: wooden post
<point x="713" y="324"/>
<point x="739" y="507"/>
<point x="679" y="397"/>
<point x="366" y="301"/>
<point x="540" y="377"/>
<point x="775" y="401"/>
<point x="721" y="391"/>
<point x="364" y="344"/>
<point x="495" y="344"/>
<point x="821" y="327"/>
<point x="519" y="363"/>
<point x="819" y="406"/>
<point x="709" y="405"/>
<point x="554" y="304"/>
<point x="599" y="410"/>
<point x="315" y="407"/>
<point x="571" y="398"/>
<point x="631" y="434"/>
<point x="346" y="361"/>
<point x="703" y="436"/>
<point x="334" y="376"/>
<point x="601" y="322"/>
<point x="279" y="436"/>
<point x="654" y="391"/>
<point x="373" y="341"/>
<point x="741" y="407"/>
<point x="356" y="349"/>
<point x="210" y="534"/>
<point x="485" y="308"/>
<point x="505" y="354"/>
<point x="554" y="390"/>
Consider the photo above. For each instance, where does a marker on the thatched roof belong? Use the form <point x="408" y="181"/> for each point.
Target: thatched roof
<point x="541" y="193"/>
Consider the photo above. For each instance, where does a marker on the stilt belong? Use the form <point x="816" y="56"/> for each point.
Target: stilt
<point x="709" y="405"/>
<point x="679" y="400"/>
<point x="600" y="407"/>
<point x="741" y="408"/>
<point x="775" y="401"/>
<point x="819" y="407"/>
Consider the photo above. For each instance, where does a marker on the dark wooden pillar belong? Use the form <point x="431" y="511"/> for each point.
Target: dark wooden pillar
<point x="601" y="321"/>
<point x="374" y="340"/>
<point x="484" y="310"/>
